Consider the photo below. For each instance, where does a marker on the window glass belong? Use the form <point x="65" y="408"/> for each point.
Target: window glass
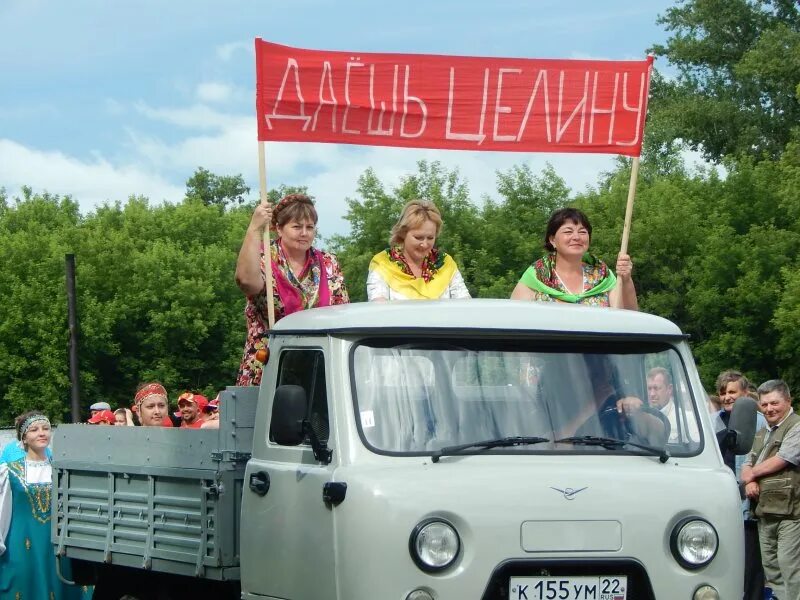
<point x="420" y="397"/>
<point x="306" y="368"/>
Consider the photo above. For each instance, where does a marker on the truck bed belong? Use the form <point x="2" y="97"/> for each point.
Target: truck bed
<point x="155" y="498"/>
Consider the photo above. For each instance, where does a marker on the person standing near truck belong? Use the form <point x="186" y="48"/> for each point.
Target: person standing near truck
<point x="27" y="561"/>
<point x="412" y="267"/>
<point x="568" y="273"/>
<point x="732" y="385"/>
<point x="303" y="277"/>
<point x="15" y="450"/>
<point x="771" y="474"/>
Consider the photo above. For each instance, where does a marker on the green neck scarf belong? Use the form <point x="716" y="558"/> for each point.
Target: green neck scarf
<point x="532" y="280"/>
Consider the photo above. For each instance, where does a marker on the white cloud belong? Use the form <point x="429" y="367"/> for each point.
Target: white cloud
<point x="227" y="51"/>
<point x="212" y="91"/>
<point x="197" y="116"/>
<point x="90" y="183"/>
<point x="114" y="107"/>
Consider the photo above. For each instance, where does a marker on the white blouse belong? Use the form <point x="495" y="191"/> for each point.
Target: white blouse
<point x="378" y="288"/>
<point x="5" y="506"/>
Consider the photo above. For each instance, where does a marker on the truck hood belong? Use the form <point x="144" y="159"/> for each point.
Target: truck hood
<point x="509" y="508"/>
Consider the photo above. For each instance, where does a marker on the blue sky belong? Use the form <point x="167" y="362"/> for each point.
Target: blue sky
<point x="104" y="99"/>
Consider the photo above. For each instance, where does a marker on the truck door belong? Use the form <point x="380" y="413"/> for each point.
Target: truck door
<point x="287" y="541"/>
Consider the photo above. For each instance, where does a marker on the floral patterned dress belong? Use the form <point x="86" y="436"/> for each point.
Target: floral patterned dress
<point x="291" y="292"/>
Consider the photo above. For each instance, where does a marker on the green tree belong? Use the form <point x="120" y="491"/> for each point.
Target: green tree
<point x="512" y="228"/>
<point x="738" y="65"/>
<point x="156" y="299"/>
<point x="33" y="341"/>
<point x="216" y="190"/>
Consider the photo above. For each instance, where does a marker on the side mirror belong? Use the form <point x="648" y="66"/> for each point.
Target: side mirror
<point x="289" y="407"/>
<point x="743" y="424"/>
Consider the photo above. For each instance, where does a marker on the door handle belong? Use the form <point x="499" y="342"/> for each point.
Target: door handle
<point x="259" y="482"/>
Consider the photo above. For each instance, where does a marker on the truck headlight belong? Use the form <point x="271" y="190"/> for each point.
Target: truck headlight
<point x="706" y="592"/>
<point x="694" y="543"/>
<point x="434" y="544"/>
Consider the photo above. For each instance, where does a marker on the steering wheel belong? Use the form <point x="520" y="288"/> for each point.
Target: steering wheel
<point x="623" y="426"/>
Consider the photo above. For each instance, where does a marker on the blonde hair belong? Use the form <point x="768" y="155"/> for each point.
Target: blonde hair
<point x="414" y="215"/>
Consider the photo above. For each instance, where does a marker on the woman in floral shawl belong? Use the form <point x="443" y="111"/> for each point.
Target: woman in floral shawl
<point x="303" y="277"/>
<point x="412" y="267"/>
<point x="568" y="273"/>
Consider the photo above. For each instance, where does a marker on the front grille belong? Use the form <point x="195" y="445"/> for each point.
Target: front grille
<point x="639" y="587"/>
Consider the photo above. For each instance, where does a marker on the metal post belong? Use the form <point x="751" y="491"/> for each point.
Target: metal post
<point x="72" y="320"/>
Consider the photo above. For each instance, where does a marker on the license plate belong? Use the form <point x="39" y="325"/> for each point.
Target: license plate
<point x="604" y="587"/>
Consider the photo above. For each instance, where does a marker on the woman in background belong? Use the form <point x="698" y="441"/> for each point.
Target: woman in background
<point x="151" y="405"/>
<point x="27" y="561"/>
<point x="123" y="417"/>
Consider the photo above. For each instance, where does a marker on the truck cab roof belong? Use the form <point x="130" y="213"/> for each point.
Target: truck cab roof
<point x="474" y="315"/>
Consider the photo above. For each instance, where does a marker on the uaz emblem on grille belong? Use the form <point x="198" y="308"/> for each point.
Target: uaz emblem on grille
<point x="569" y="493"/>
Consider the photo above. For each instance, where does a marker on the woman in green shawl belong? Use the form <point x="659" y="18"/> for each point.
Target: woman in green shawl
<point x="568" y="273"/>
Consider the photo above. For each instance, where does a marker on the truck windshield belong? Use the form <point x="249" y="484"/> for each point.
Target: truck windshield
<point x="419" y="397"/>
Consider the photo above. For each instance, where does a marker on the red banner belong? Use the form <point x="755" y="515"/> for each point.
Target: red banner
<point x="451" y="102"/>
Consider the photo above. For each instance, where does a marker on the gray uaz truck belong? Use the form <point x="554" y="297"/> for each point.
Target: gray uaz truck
<point x="486" y="449"/>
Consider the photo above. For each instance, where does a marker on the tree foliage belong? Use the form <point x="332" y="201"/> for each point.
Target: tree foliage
<point x="216" y="190"/>
<point x="156" y="299"/>
<point x="738" y="65"/>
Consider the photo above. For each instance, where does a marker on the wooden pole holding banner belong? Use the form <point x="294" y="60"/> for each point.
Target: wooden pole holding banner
<point x="262" y="183"/>
<point x="626" y="230"/>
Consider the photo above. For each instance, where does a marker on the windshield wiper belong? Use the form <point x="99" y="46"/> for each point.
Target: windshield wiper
<point x="613" y="443"/>
<point x="486" y="444"/>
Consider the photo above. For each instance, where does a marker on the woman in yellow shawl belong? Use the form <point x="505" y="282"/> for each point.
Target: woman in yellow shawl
<point x="412" y="267"/>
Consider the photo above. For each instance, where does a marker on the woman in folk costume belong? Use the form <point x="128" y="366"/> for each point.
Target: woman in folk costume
<point x="568" y="273"/>
<point x="412" y="267"/>
<point x="27" y="558"/>
<point x="303" y="277"/>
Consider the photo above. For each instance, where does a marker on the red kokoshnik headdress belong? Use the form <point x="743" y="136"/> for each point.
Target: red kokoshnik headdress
<point x="151" y="389"/>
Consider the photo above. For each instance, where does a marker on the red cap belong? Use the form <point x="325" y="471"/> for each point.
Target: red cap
<point x="197" y="399"/>
<point x="103" y="416"/>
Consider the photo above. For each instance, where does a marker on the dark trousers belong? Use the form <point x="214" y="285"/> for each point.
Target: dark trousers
<point x="753" y="571"/>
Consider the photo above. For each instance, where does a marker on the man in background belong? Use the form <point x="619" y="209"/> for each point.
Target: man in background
<point x="192" y="407"/>
<point x="660" y="395"/>
<point x="97" y="407"/>
<point x="771" y="474"/>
